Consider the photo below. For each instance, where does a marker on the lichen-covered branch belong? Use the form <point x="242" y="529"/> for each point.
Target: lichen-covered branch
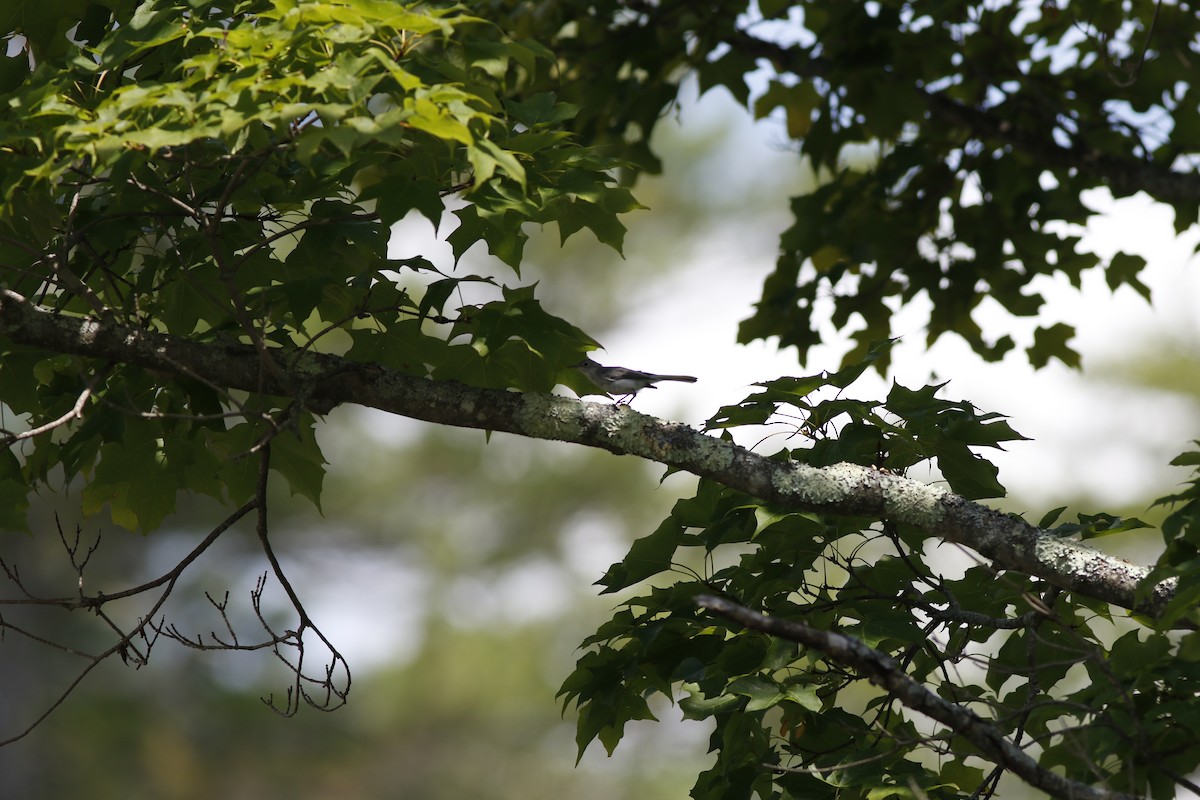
<point x="323" y="381"/>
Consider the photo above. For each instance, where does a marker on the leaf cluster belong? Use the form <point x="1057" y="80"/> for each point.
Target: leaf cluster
<point x="1181" y="534"/>
<point x="908" y="428"/>
<point x="231" y="173"/>
<point x="794" y="722"/>
<point x="986" y="128"/>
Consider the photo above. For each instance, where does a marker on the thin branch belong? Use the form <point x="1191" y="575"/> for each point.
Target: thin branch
<point x="233" y="643"/>
<point x="21" y="244"/>
<point x="76" y="412"/>
<point x="124" y="642"/>
<point x="65" y="275"/>
<point x="1132" y="73"/>
<point x="293" y="230"/>
<point x="133" y="412"/>
<point x="187" y="210"/>
<point x="899" y="748"/>
<point x="883" y="671"/>
<point x="334" y="696"/>
<point x="95" y="601"/>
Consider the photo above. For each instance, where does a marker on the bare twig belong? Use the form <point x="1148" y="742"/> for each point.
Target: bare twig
<point x="94" y="601"/>
<point x="233" y="643"/>
<point x="124" y="645"/>
<point x="334" y="691"/>
<point x="76" y="412"/>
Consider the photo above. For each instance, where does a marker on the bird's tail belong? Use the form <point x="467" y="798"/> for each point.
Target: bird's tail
<point x="681" y="378"/>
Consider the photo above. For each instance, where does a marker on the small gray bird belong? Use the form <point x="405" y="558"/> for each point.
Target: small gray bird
<point x="625" y="382"/>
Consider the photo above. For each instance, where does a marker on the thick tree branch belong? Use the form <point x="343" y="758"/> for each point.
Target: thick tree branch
<point x="882" y="670"/>
<point x="323" y="381"/>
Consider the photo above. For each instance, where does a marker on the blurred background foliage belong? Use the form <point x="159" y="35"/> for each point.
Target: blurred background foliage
<point x="458" y="603"/>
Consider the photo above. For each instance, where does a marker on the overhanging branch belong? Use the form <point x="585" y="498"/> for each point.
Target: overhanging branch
<point x="324" y="381"/>
<point x="884" y="671"/>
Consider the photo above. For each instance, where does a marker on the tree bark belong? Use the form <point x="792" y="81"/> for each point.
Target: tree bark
<point x="323" y="381"/>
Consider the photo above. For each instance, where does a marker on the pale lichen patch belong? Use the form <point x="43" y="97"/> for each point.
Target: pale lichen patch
<point x="712" y="455"/>
<point x="88" y="330"/>
<point x="1069" y="556"/>
<point x="544" y="416"/>
<point x="914" y="503"/>
<point x="817" y="486"/>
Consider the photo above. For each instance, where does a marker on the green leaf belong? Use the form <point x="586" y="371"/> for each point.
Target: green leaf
<point x="1137" y="652"/>
<point x="151" y="26"/>
<point x="1188" y="459"/>
<point x="1124" y="269"/>
<point x="1051" y="516"/>
<point x="19" y="368"/>
<point x="578" y="214"/>
<point x="1051" y="343"/>
<point x="797" y="100"/>
<point x="697" y="706"/>
<point x="485" y="157"/>
<point x="805" y="695"/>
<point x="968" y="474"/>
<point x="762" y="694"/>
<point x="296" y="456"/>
<point x="1092" y="526"/>
<point x="397" y="198"/>
<point x="130" y="479"/>
<point x="541" y="109"/>
<point x="14" y="495"/>
<point x="427" y="116"/>
<point x="502" y="233"/>
<point x="239" y="470"/>
<point x="648" y="556"/>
